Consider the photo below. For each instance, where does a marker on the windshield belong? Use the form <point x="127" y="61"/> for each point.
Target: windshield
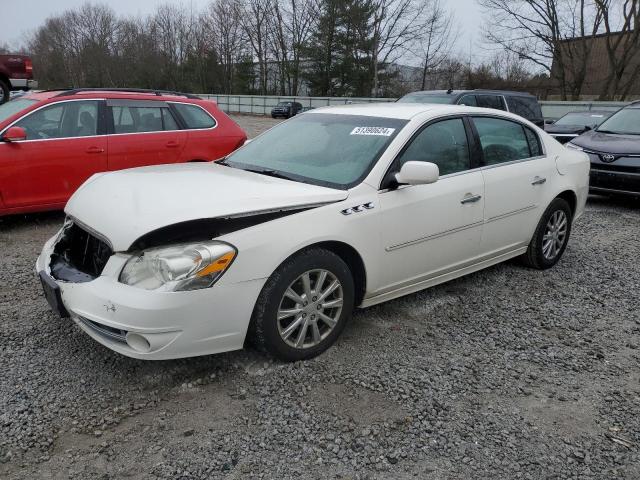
<point x="320" y="148"/>
<point x="284" y="104"/>
<point x="14" y="106"/>
<point x="427" y="98"/>
<point x="582" y="119"/>
<point x="624" y="122"/>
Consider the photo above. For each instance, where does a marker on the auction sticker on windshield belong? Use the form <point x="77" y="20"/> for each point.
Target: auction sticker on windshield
<point x="379" y="131"/>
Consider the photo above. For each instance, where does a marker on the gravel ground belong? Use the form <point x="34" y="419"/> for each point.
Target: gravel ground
<point x="508" y="373"/>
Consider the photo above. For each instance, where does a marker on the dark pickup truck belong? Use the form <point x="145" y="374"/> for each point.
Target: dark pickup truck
<point x="16" y="73"/>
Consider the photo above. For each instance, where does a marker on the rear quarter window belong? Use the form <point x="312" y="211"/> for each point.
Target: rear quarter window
<point x="194" y="116"/>
<point x="526" y="107"/>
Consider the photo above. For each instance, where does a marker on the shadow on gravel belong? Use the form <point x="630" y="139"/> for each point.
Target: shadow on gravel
<point x="11" y="222"/>
<point x="630" y="203"/>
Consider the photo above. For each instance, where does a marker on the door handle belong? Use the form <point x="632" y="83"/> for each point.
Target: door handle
<point x="95" y="150"/>
<point x="538" y="181"/>
<point x="172" y="144"/>
<point x="469" y="198"/>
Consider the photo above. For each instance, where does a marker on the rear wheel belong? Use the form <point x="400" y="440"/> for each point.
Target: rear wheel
<point x="304" y="306"/>
<point x="551" y="236"/>
<point x="4" y="92"/>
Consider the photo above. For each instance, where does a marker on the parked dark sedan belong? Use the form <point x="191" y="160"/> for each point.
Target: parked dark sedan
<point x="574" y="124"/>
<point x="286" y="109"/>
<point x="614" y="150"/>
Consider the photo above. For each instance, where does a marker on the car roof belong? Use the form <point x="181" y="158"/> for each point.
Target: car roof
<point x="405" y="111"/>
<point x="132" y="94"/>
<point x="477" y="90"/>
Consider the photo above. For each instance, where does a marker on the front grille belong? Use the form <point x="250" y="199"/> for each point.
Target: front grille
<point x="79" y="256"/>
<point x="612" y="167"/>
<point x="104" y="330"/>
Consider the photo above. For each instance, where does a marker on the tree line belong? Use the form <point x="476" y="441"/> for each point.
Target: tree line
<point x="333" y="47"/>
<point x="338" y="47"/>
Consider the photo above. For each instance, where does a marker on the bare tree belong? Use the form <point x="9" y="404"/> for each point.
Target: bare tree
<point x="397" y="25"/>
<point x="538" y="30"/>
<point x="255" y="23"/>
<point x="299" y="24"/>
<point x="622" y="42"/>
<point x="227" y="37"/>
<point x="438" y="37"/>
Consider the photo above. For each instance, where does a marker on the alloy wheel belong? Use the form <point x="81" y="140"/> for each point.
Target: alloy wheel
<point x="555" y="235"/>
<point x="310" y="308"/>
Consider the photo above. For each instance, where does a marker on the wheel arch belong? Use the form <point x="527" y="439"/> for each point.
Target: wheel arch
<point x="5" y="79"/>
<point x="351" y="257"/>
<point x="571" y="198"/>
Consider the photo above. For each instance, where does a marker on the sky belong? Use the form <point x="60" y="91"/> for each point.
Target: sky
<point x="17" y="21"/>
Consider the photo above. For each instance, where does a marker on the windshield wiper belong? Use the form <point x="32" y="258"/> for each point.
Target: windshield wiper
<point x="269" y="173"/>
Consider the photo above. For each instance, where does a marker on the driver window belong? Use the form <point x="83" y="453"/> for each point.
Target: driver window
<point x="501" y="140"/>
<point x="443" y="143"/>
<point x="63" y="120"/>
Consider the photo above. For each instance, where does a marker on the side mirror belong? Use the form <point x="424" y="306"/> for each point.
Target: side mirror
<point x="14" y="134"/>
<point x="588" y="128"/>
<point x="549" y="122"/>
<point x="418" y="173"/>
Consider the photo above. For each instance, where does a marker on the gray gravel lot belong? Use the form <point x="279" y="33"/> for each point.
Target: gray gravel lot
<point x="507" y="373"/>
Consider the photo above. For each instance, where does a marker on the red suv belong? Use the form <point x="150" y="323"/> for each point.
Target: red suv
<point x="51" y="142"/>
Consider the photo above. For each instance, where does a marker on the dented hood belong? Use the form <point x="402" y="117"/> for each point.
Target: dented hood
<point x="122" y="206"/>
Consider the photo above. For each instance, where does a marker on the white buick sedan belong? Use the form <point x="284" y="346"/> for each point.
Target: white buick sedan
<point x="334" y="209"/>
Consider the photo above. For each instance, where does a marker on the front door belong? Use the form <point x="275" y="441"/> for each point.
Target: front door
<point x="430" y="230"/>
<point x="63" y="149"/>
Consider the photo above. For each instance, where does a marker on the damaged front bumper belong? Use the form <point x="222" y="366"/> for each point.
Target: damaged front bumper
<point x="153" y="325"/>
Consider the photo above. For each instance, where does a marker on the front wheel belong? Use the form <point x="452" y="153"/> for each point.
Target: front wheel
<point x="4" y="92"/>
<point x="551" y="236"/>
<point x="304" y="306"/>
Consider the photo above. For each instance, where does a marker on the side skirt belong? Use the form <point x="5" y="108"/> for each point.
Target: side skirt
<point x="441" y="278"/>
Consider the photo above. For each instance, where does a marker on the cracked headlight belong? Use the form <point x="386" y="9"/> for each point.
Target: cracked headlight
<point x="177" y="268"/>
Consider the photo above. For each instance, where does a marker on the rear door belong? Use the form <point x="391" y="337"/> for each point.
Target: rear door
<point x="517" y="177"/>
<point x="143" y="132"/>
<point x="65" y="145"/>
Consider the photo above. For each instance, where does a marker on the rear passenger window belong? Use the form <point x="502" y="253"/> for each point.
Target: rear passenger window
<point x="194" y="117"/>
<point x="501" y="140"/>
<point x="443" y="143"/>
<point x="142" y="119"/>
<point x="490" y="101"/>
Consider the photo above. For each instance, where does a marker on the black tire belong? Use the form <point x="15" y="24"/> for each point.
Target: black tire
<point x="264" y="333"/>
<point x="535" y="257"/>
<point x="4" y="92"/>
